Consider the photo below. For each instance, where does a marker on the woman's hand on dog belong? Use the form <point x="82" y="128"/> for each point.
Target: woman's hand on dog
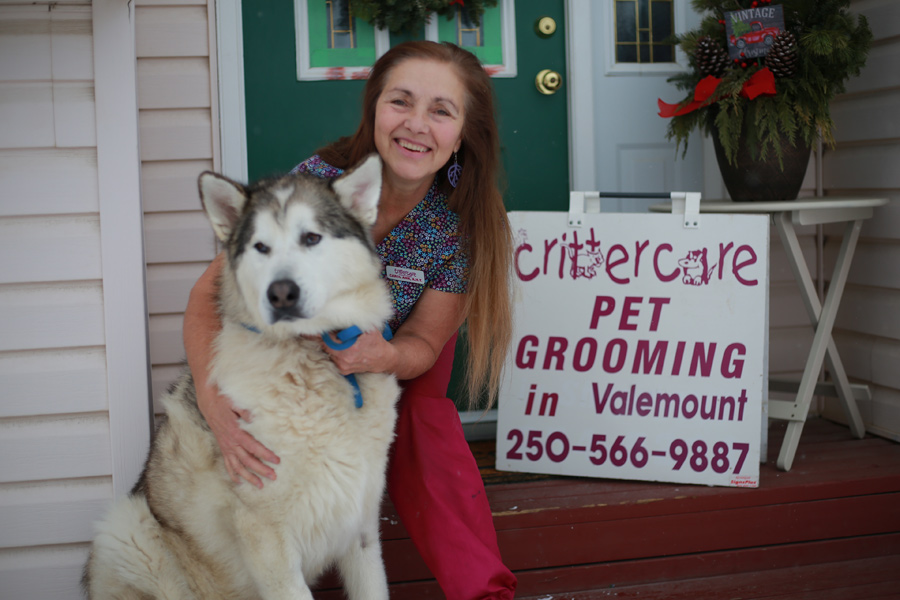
<point x="371" y="353"/>
<point x="242" y="453"/>
<point x="416" y="344"/>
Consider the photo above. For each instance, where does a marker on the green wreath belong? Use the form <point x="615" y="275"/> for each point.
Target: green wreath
<point x="411" y="15"/>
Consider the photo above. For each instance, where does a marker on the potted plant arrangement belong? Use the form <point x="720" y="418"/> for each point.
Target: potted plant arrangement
<point x="761" y="76"/>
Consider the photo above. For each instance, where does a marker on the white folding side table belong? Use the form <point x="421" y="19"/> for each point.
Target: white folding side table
<point x="786" y="215"/>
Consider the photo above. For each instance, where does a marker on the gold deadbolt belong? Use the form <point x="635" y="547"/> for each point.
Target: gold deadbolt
<point x="548" y="81"/>
<point x="545" y="26"/>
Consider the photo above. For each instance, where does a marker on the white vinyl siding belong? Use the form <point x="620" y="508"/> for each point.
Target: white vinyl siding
<point x="865" y="161"/>
<point x="789" y="329"/>
<point x="179" y="140"/>
<point x="54" y="429"/>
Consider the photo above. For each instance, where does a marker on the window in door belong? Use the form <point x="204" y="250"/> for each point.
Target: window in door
<point x="468" y="33"/>
<point x="640" y="36"/>
<point x="642" y="28"/>
<point x="332" y="43"/>
<point x="340" y="24"/>
<point x="484" y="40"/>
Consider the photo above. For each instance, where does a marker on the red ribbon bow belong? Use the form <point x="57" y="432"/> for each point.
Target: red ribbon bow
<point x="761" y="83"/>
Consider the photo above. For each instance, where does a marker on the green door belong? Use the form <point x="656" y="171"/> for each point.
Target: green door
<point x="287" y="120"/>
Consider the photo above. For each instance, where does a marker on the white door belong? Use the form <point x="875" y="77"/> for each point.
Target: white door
<point x="632" y="152"/>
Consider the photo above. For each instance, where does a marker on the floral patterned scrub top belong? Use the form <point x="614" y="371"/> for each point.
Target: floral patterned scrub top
<point x="423" y="250"/>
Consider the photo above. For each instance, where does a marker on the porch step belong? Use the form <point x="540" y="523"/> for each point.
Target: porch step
<point x="829" y="528"/>
<point x="868" y="570"/>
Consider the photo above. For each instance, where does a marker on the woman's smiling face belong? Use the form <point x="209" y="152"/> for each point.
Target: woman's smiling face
<point x="418" y="120"/>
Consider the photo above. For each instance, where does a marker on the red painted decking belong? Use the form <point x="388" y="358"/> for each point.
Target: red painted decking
<point x="829" y="528"/>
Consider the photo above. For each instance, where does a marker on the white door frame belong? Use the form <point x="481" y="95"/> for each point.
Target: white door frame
<point x="579" y="82"/>
<point x="122" y="241"/>
<point x="580" y="87"/>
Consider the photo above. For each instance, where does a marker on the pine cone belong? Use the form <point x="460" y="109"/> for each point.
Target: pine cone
<point x="712" y="58"/>
<point x="782" y="56"/>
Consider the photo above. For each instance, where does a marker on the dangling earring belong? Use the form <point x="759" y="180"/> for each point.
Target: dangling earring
<point x="454" y="171"/>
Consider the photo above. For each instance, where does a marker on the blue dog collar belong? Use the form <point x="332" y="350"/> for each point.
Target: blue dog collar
<point x="346" y="338"/>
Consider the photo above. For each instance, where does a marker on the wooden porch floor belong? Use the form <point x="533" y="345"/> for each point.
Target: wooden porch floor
<point x="829" y="528"/>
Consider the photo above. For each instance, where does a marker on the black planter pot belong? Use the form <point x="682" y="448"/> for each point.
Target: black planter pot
<point x="748" y="179"/>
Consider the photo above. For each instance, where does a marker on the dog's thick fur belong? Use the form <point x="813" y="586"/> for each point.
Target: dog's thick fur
<point x="300" y="261"/>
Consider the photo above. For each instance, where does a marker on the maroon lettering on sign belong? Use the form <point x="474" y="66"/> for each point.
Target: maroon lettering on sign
<point x="644" y="361"/>
<point x="611" y="263"/>
<point x="562" y="257"/>
<point x="556" y="348"/>
<point x="570" y="257"/>
<point x="530" y="403"/>
<point x="659" y="274"/>
<point x="733" y="368"/>
<point x="630" y="401"/>
<point x="627" y="312"/>
<point x="526" y="247"/>
<point x="657" y="303"/>
<point x="581" y="363"/>
<point x="526" y="357"/>
<point x="639" y="248"/>
<point x="704" y="361"/>
<point x="619" y="347"/>
<point x="548" y="246"/>
<point x="593" y="243"/>
<point x="603" y="307"/>
<point x="643" y="356"/>
<point x="723" y="252"/>
<point x="737" y="266"/>
<point x="679" y="354"/>
<point x="689" y="406"/>
<point x="549" y="401"/>
<point x="644" y="404"/>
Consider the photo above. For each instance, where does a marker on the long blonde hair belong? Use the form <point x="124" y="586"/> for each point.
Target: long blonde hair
<point x="476" y="199"/>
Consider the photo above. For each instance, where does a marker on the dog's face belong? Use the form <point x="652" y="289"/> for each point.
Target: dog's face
<point x="298" y="246"/>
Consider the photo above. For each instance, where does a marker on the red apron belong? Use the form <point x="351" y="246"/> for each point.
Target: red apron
<point x="436" y="487"/>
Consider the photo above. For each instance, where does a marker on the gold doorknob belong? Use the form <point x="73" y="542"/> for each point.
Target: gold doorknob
<point x="548" y="81"/>
<point x="545" y="27"/>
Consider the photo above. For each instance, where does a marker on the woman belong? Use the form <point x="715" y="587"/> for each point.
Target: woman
<point x="428" y="112"/>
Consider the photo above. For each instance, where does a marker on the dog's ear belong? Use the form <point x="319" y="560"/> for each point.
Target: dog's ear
<point x="359" y="189"/>
<point x="223" y="200"/>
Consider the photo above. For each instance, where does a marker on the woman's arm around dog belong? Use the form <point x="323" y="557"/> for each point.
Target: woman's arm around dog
<point x="243" y="454"/>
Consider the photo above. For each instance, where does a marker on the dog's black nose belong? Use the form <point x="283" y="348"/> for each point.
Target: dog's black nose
<point x="283" y="294"/>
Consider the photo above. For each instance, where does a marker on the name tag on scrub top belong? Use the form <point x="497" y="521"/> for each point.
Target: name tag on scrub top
<point x="408" y="275"/>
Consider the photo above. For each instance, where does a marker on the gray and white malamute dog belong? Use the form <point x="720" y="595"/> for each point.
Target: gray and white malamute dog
<point x="300" y="262"/>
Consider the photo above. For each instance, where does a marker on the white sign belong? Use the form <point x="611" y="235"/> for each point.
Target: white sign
<point x="638" y="348"/>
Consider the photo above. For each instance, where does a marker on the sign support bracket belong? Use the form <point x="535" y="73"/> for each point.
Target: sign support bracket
<point x="580" y="204"/>
<point x="683" y="203"/>
<point x="687" y="204"/>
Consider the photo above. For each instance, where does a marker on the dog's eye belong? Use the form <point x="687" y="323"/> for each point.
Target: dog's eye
<point x="261" y="248"/>
<point x="310" y="239"/>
